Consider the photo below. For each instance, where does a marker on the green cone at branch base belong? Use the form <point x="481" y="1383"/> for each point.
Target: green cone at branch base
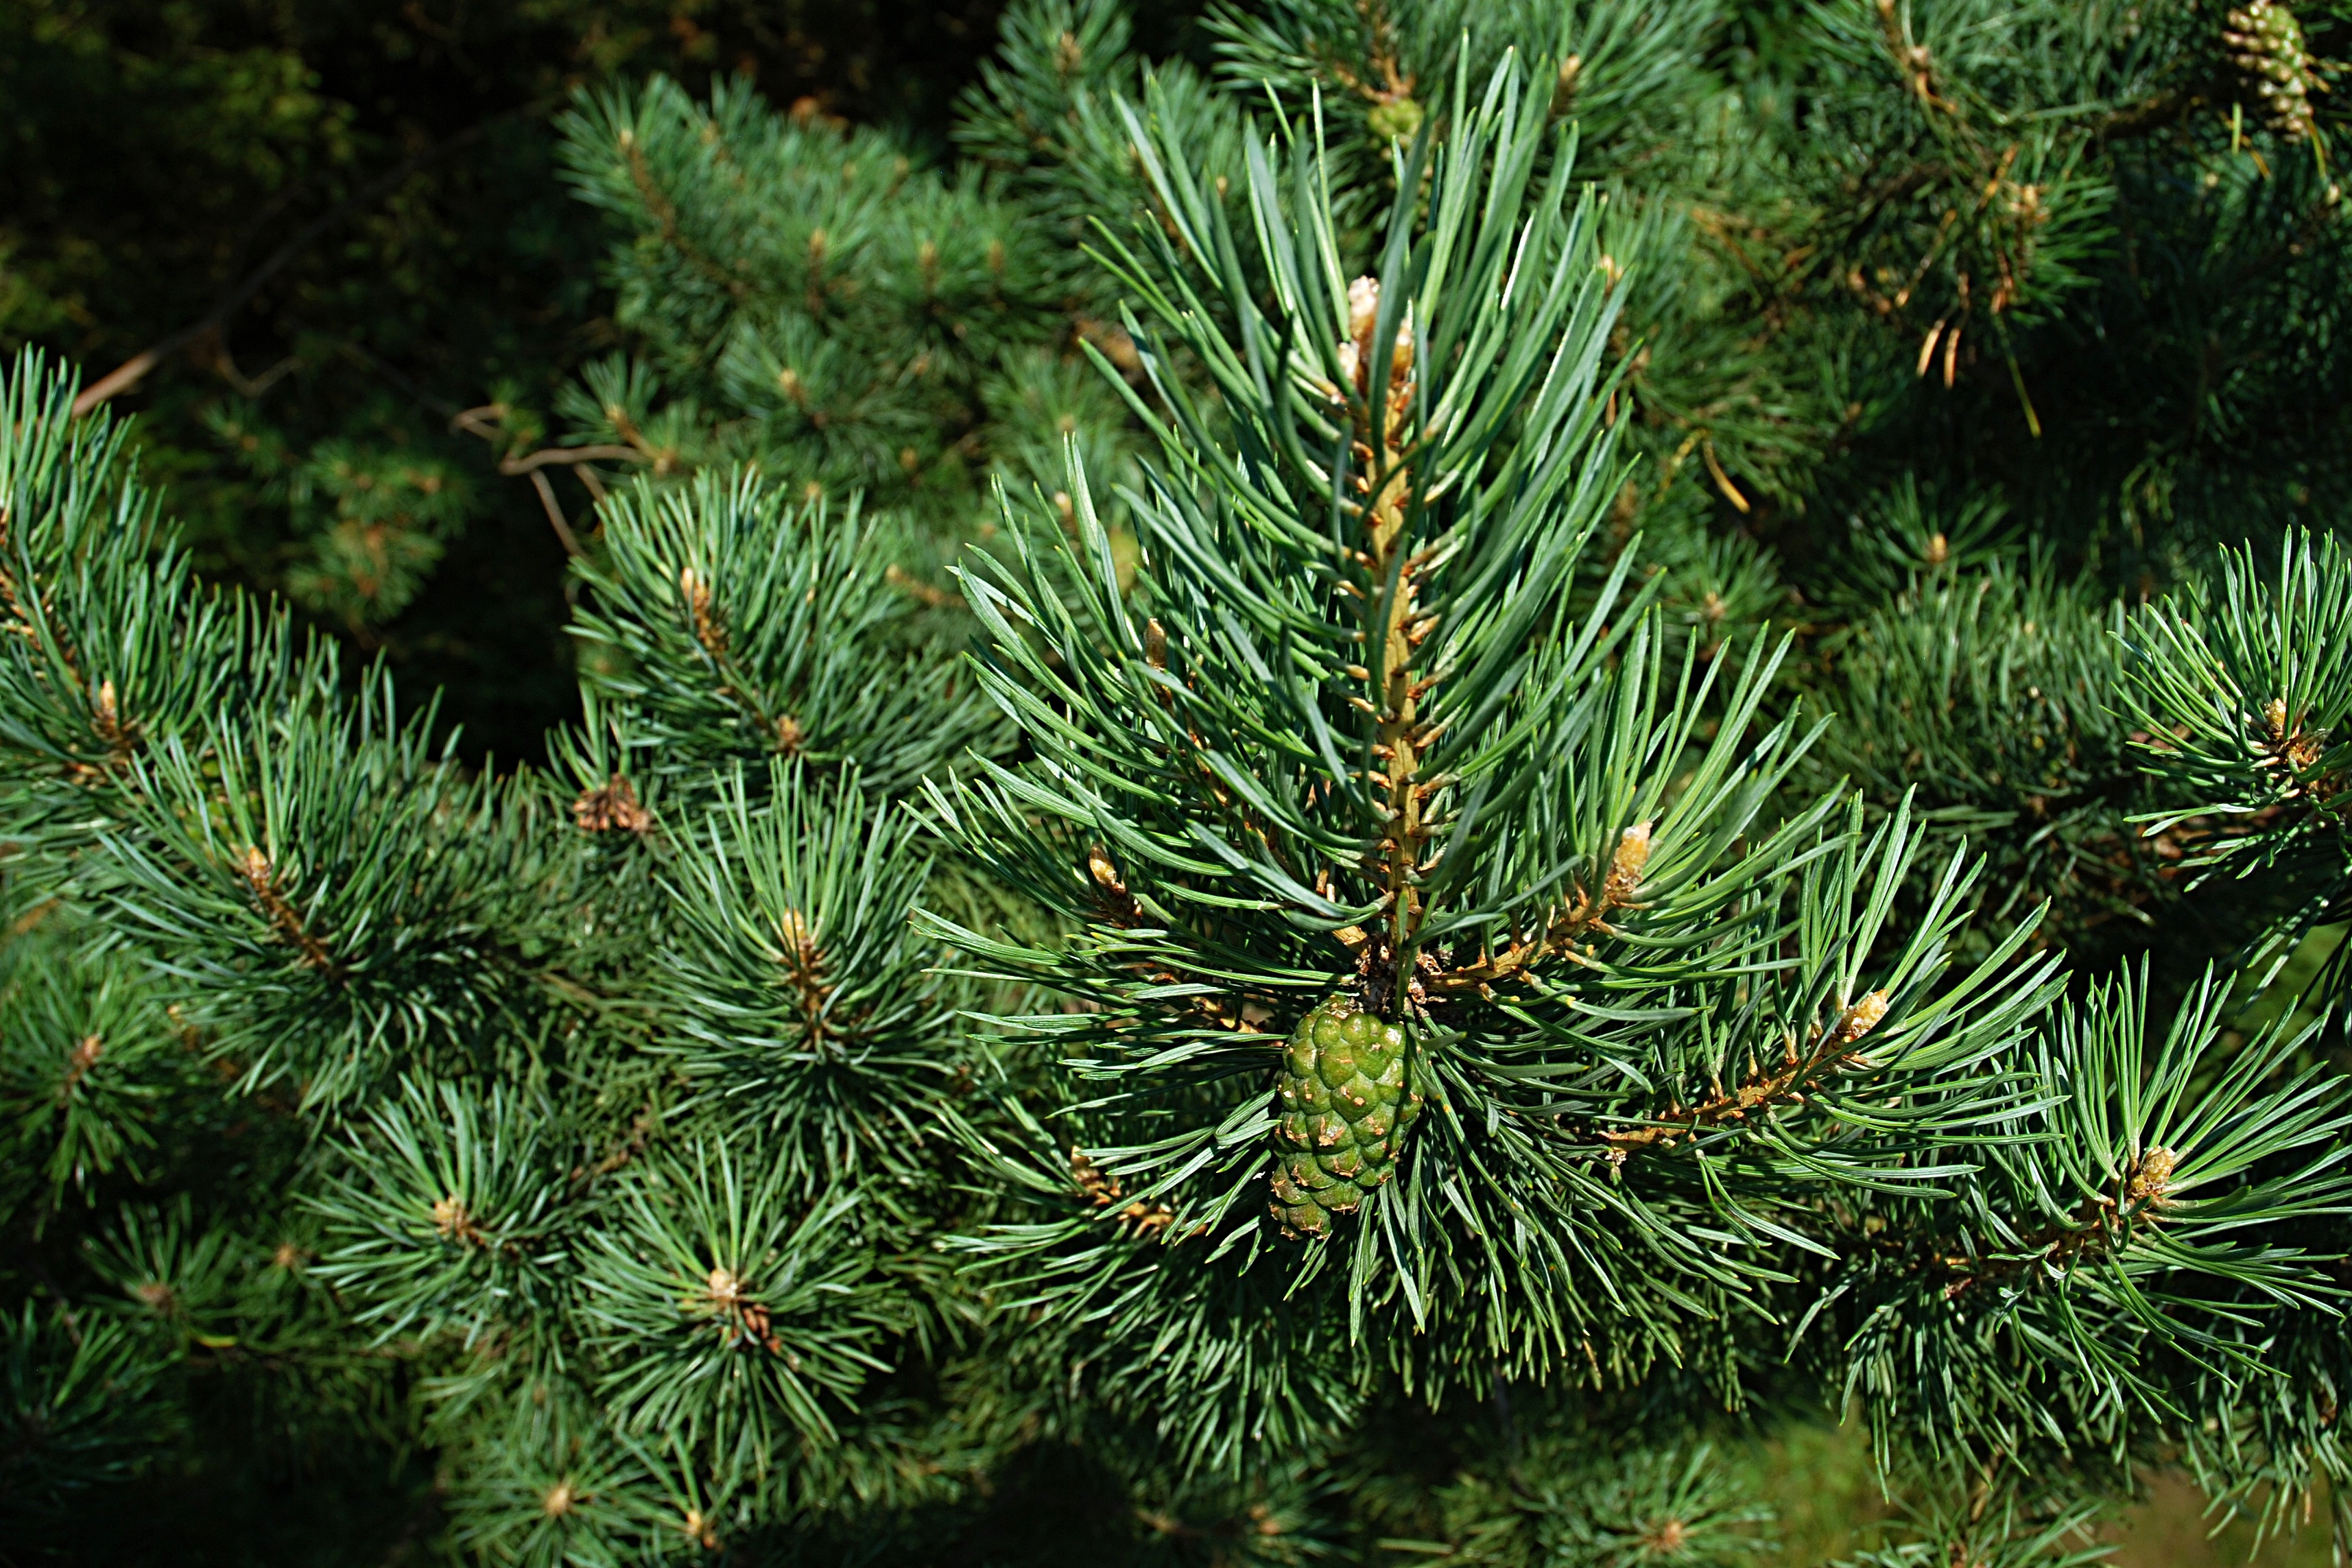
<point x="1346" y="1104"/>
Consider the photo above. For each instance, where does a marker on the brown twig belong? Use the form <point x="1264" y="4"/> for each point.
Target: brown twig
<point x="2149" y="114"/>
<point x="1586" y="913"/>
<point x="555" y="512"/>
<point x="914" y="587"/>
<point x="547" y="454"/>
<point x="253" y="385"/>
<point x="2099" y="1224"/>
<point x="261" y="878"/>
<point x="1103" y="1191"/>
<point x="486" y="422"/>
<point x="1830" y="1049"/>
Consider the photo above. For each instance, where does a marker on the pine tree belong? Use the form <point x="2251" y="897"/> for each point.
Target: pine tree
<point x="1538" y="833"/>
<point x="2241" y="689"/>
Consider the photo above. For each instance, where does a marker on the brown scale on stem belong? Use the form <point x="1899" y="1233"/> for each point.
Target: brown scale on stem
<point x="260" y="878"/>
<point x="2100" y="1226"/>
<point x="804" y="966"/>
<point x="1830" y="1050"/>
<point x="1116" y="902"/>
<point x="1394" y="628"/>
<point x="708" y="619"/>
<point x="1587" y="914"/>
<point x="743" y="1320"/>
<point x="2290" y="747"/>
<point x="117" y="733"/>
<point x="1394" y="84"/>
<point x="1394" y="632"/>
<point x="78" y="1061"/>
<point x="612" y="807"/>
<point x="709" y="629"/>
<point x="1102" y="1190"/>
<point x="451" y="1222"/>
<point x="1114" y="905"/>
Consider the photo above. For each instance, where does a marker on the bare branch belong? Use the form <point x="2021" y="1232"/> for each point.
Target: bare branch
<point x="554" y="513"/>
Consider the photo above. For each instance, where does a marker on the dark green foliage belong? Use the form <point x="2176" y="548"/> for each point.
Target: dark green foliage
<point x="810" y="299"/>
<point x="1567" y="1502"/>
<point x="330" y="887"/>
<point x="728" y="620"/>
<point x="449" y="1212"/>
<point x="343" y="225"/>
<point x="809" y="1014"/>
<point x="1987" y="695"/>
<point x="2242" y="689"/>
<point x="80" y="1414"/>
<point x="374" y="521"/>
<point x="2121" y="1188"/>
<point x="772" y="1323"/>
<point x="87" y="1068"/>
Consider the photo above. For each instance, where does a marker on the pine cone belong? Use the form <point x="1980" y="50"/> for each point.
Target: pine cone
<point x="1347" y="1102"/>
<point x="2265" y="43"/>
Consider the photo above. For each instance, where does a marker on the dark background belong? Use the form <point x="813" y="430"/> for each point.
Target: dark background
<point x="396" y="157"/>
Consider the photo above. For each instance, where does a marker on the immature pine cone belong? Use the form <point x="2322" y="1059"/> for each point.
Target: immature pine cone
<point x="1346" y="1101"/>
<point x="2265" y="43"/>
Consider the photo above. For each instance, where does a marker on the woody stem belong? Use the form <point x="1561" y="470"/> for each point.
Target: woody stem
<point x="1398" y="705"/>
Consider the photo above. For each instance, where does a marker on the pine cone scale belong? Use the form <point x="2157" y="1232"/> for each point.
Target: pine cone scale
<point x="1345" y="1101"/>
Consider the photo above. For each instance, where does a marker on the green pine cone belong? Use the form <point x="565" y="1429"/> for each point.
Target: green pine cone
<point x="1346" y="1103"/>
<point x="2266" y="44"/>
